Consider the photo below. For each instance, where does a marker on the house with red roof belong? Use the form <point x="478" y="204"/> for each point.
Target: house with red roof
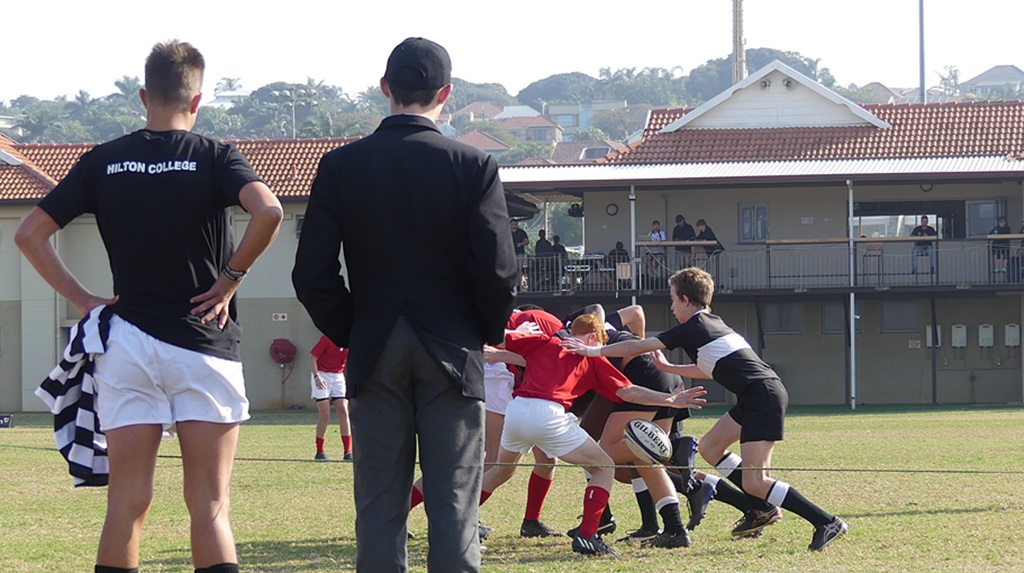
<point x="532" y="129"/>
<point x="811" y="198"/>
<point x="485" y="142"/>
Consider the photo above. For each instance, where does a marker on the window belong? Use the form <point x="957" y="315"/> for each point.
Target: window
<point x="901" y="316"/>
<point x="566" y="120"/>
<point x="753" y="222"/>
<point x="834" y="316"/>
<point x="595" y="152"/>
<point x="784" y="318"/>
<point x="981" y="217"/>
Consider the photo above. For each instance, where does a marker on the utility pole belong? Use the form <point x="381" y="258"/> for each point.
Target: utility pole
<point x="924" y="92"/>
<point x="739" y="54"/>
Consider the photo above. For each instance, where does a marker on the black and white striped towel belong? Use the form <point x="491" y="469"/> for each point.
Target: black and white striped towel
<point x="70" y="393"/>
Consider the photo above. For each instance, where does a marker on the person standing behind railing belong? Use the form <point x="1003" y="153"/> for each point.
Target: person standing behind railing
<point x="1000" y="247"/>
<point x="923" y="247"/>
<point x="683" y="231"/>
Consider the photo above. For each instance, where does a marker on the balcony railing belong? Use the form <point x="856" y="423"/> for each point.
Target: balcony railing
<point x="794" y="265"/>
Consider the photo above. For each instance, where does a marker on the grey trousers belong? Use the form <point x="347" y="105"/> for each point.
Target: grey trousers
<point x="408" y="395"/>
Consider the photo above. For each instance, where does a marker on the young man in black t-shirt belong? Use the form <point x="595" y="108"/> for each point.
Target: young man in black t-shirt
<point x="756" y="421"/>
<point x="923" y="247"/>
<point x="161" y="197"/>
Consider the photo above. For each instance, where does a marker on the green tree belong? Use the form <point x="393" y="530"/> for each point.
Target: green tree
<point x="69" y="131"/>
<point x="228" y="85"/>
<point x="715" y="76"/>
<point x="651" y="86"/>
<point x="356" y="123"/>
<point x="373" y="100"/>
<point x="591" y="133"/>
<point x="575" y="87"/>
<point x="621" y="123"/>
<point x="465" y="93"/>
<point x="570" y="229"/>
<point x="522" y="151"/>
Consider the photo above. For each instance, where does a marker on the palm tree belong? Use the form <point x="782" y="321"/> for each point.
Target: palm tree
<point x="129" y="86"/>
<point x="228" y="85"/>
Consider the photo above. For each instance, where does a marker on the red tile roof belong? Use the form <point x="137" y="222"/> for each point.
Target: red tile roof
<point x="960" y="129"/>
<point x="484" y="141"/>
<point x="23" y="182"/>
<point x="54" y="159"/>
<point x="286" y="165"/>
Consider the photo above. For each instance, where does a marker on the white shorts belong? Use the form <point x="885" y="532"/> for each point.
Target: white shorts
<point x="537" y="422"/>
<point x="335" y="386"/>
<point x="498" y="382"/>
<point x="142" y="380"/>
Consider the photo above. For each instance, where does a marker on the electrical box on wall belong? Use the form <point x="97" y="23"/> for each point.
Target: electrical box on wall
<point x="1012" y="335"/>
<point x="928" y="335"/>
<point x="958" y="336"/>
<point x="986" y="336"/>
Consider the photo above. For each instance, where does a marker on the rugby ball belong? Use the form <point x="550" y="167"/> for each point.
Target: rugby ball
<point x="648" y="441"/>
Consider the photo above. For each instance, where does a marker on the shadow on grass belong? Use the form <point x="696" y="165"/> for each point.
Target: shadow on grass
<point x="940" y="511"/>
<point x="279" y="556"/>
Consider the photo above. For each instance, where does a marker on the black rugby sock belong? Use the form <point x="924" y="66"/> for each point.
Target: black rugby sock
<point x="648" y="515"/>
<point x="108" y="569"/>
<point x="670" y="515"/>
<point x="787" y="497"/>
<point x="729" y="495"/>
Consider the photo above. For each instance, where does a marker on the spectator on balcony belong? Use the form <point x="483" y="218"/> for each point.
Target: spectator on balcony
<point x="657" y="234"/>
<point x="704" y="233"/>
<point x="619" y="254"/>
<point x="558" y="249"/>
<point x="543" y="263"/>
<point x="923" y="247"/>
<point x="1000" y="247"/>
<point x="683" y="231"/>
<point x="543" y="245"/>
<point x="519" y="240"/>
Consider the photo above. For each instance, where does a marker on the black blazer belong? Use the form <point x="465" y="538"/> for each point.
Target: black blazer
<point x="424" y="227"/>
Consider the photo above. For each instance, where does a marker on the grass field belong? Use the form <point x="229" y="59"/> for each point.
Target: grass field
<point x="873" y="468"/>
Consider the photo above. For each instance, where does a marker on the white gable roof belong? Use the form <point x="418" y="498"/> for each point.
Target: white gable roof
<point x="776" y="96"/>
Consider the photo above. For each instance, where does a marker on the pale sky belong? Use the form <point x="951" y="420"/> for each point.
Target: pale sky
<point x="55" y="47"/>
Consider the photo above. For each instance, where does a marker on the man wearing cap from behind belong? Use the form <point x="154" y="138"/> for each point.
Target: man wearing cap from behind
<point x="415" y="332"/>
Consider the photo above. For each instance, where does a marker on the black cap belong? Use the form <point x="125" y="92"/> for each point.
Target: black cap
<point x="419" y="64"/>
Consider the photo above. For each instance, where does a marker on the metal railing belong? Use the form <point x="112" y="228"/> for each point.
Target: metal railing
<point x="789" y="265"/>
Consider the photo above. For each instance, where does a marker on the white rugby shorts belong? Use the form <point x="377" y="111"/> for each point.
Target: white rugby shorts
<point x="142" y="380"/>
<point x="537" y="422"/>
<point x="335" y="385"/>
<point x="498" y="382"/>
